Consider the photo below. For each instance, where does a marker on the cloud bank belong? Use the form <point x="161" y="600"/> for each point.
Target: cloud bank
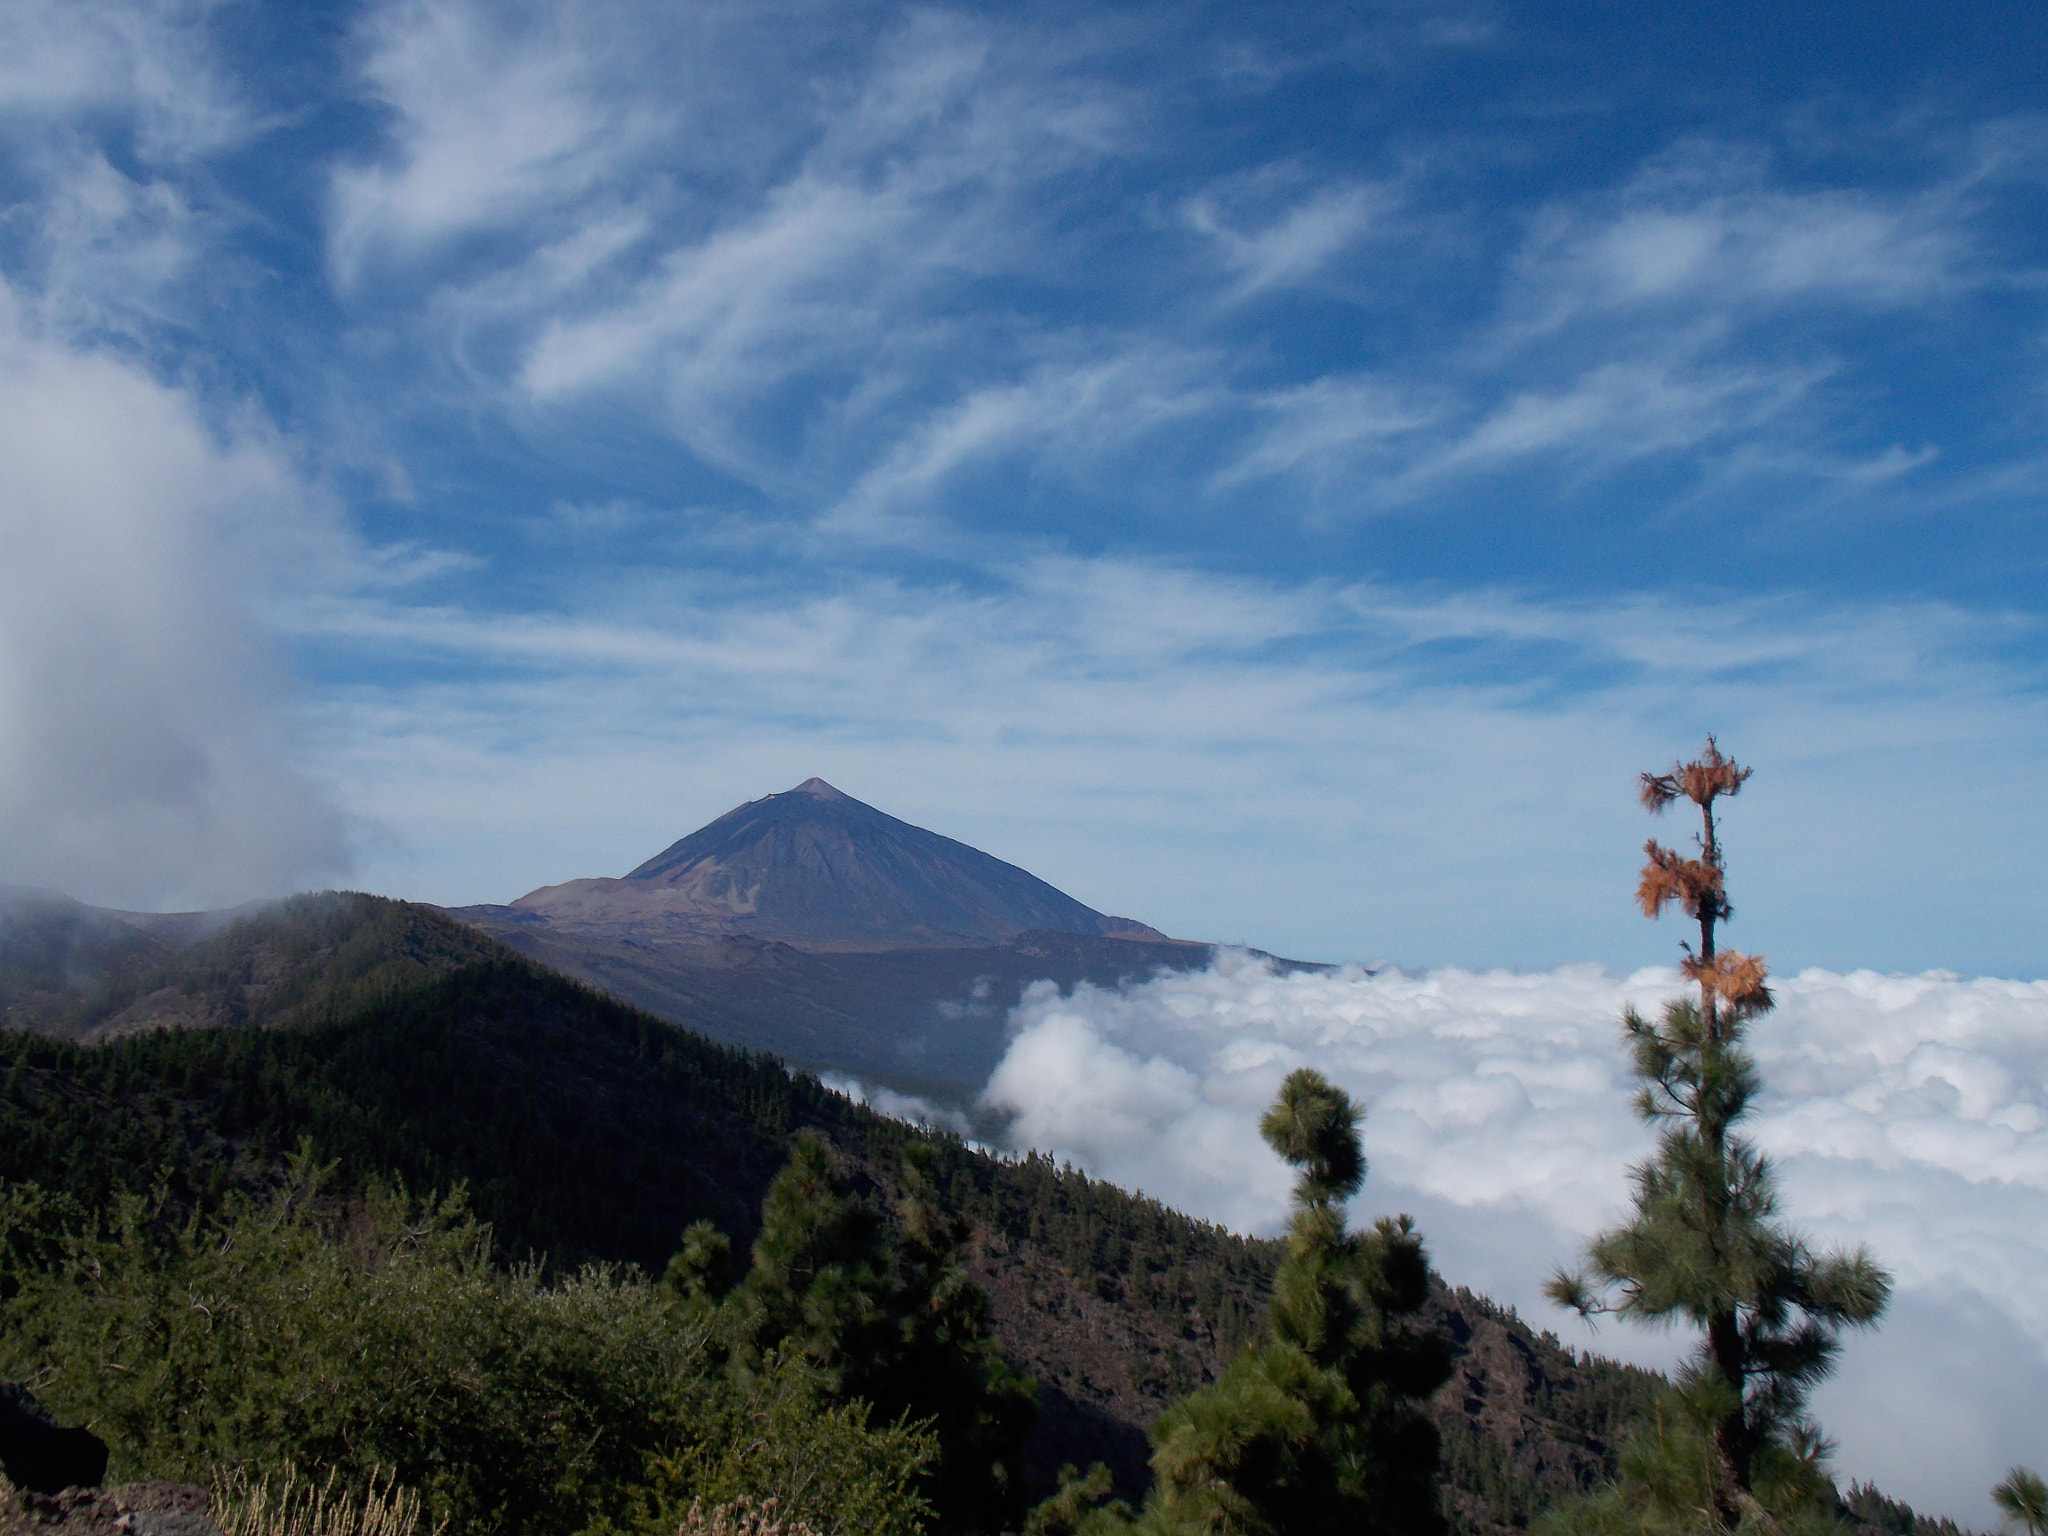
<point x="1906" y="1112"/>
<point x="145" y="754"/>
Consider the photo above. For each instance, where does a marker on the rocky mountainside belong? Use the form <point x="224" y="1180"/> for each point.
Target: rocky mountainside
<point x="818" y="870"/>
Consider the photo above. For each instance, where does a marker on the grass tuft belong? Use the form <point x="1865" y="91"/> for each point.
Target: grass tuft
<point x="294" y="1505"/>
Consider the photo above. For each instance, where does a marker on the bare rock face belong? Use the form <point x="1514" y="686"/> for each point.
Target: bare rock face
<point x="40" y="1455"/>
<point x="133" y="1509"/>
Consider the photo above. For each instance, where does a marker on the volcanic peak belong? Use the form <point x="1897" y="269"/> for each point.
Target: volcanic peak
<point x="817" y="869"/>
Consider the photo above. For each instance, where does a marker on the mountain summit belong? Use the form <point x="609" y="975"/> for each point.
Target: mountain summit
<point x="817" y="869"/>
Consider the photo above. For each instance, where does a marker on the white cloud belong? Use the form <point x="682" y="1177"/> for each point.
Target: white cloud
<point x="1336" y="429"/>
<point x="855" y="261"/>
<point x="496" y="121"/>
<point x="1621" y="411"/>
<point x="1083" y="414"/>
<point x="1702" y="229"/>
<point x="1903" y="1111"/>
<point x="1294" y="245"/>
<point x="625" y="239"/>
<point x="110" y="109"/>
<point x="145" y="755"/>
<point x="726" y="315"/>
<point x="900" y="1106"/>
<point x="1684" y="316"/>
<point x="146" y="59"/>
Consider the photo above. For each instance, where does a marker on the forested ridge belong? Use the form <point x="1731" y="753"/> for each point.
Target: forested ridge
<point x="413" y="1055"/>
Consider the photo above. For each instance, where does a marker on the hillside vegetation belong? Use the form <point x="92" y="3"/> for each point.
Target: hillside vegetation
<point x="415" y="1057"/>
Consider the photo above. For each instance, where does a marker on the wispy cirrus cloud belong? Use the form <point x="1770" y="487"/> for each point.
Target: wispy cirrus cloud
<point x="1623" y="410"/>
<point x="1089" y="413"/>
<point x="870" y="296"/>
<point x="500" y="117"/>
<point x="1269" y="247"/>
<point x="1684" y="316"/>
<point x="149" y="62"/>
<point x="846" y="273"/>
<point x="1703" y="231"/>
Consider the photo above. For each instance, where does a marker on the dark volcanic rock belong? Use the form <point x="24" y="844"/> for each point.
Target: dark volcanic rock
<point x="819" y="870"/>
<point x="133" y="1509"/>
<point x="40" y="1455"/>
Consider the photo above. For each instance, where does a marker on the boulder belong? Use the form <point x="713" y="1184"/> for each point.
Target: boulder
<point x="39" y="1454"/>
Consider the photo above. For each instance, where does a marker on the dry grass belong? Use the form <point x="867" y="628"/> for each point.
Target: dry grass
<point x="739" y="1518"/>
<point x="295" y="1505"/>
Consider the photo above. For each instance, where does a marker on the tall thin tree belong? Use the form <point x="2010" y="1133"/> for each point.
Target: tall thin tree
<point x="1321" y="1430"/>
<point x="1704" y="1243"/>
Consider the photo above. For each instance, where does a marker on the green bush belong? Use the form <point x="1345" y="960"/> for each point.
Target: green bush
<point x="378" y="1337"/>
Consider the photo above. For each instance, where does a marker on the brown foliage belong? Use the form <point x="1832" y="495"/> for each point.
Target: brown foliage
<point x="1735" y="978"/>
<point x="1699" y="781"/>
<point x="293" y="1504"/>
<point x="1670" y="876"/>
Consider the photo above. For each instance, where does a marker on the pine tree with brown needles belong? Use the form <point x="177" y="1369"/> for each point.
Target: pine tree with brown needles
<point x="1735" y="1450"/>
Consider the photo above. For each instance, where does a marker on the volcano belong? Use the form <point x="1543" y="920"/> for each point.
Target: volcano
<point x="816" y="869"/>
<point x="835" y="936"/>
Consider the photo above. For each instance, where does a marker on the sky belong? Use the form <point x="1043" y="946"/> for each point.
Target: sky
<point x="1277" y="472"/>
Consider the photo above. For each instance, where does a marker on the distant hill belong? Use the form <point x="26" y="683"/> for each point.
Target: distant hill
<point x="54" y="950"/>
<point x="818" y="870"/>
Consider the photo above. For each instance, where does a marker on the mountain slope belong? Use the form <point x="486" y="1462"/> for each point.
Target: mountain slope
<point x="54" y="949"/>
<point x="418" y="1050"/>
<point x="927" y="1021"/>
<point x="819" y="870"/>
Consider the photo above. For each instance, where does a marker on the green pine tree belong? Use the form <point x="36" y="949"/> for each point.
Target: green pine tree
<point x="2023" y="1498"/>
<point x="1735" y="1449"/>
<point x="815" y="1289"/>
<point x="1319" y="1431"/>
<point x="945" y="1365"/>
<point x="894" y="1324"/>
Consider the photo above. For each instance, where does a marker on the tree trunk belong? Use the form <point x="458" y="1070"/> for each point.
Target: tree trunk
<point x="1731" y="1435"/>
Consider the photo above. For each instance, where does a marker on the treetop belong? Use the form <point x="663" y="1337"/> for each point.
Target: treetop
<point x="1700" y="781"/>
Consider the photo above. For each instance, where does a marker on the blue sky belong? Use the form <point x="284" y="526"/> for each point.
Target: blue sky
<point x="1275" y="472"/>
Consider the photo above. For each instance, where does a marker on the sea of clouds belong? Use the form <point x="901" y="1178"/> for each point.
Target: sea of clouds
<point x="1904" y="1112"/>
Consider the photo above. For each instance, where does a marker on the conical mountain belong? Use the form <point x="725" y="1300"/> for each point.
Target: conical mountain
<point x="817" y="869"/>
